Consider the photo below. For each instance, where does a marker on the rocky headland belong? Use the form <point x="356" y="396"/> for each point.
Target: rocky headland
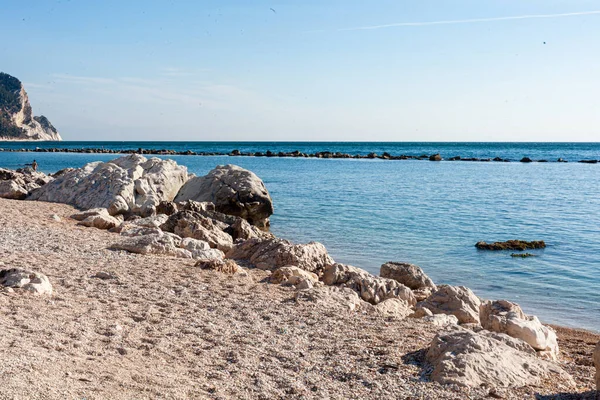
<point x="16" y="117"/>
<point x="134" y="279"/>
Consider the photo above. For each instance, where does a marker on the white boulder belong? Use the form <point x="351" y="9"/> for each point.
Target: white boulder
<point x="130" y="184"/>
<point x="26" y="280"/>
<point x="506" y="317"/>
<point x="371" y="288"/>
<point x="459" y="301"/>
<point x="466" y="358"/>
<point x="275" y="253"/>
<point x="234" y="191"/>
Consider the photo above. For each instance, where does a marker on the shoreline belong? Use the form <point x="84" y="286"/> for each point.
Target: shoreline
<point x="293" y="154"/>
<point x="108" y="338"/>
<point x="126" y="275"/>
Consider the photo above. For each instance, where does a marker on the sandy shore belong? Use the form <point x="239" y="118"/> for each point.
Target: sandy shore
<point x="165" y="329"/>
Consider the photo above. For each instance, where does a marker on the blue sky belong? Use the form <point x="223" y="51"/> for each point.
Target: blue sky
<point x="309" y="70"/>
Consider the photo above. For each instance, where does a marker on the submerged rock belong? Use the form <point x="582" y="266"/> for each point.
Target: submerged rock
<point x="511" y="245"/>
<point x="466" y="358"/>
<point x="522" y="255"/>
<point x="234" y="191"/>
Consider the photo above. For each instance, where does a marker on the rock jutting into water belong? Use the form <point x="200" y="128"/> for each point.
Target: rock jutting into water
<point x="511" y="245"/>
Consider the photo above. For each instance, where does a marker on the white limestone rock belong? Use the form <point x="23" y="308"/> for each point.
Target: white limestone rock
<point x="459" y="301"/>
<point x="31" y="281"/>
<point x="234" y="191"/>
<point x="506" y="317"/>
<point x="274" y="253"/>
<point x="410" y="275"/>
<point x="292" y="275"/>
<point x="17" y="185"/>
<point x="466" y="358"/>
<point x="371" y="288"/>
<point x="129" y="184"/>
<point x="162" y="244"/>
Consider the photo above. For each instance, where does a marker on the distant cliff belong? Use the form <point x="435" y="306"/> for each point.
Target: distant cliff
<point x="16" y="118"/>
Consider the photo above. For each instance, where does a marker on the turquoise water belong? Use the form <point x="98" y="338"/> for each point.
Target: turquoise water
<point x="368" y="212"/>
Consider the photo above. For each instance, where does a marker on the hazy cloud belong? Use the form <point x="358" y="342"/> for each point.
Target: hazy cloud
<point x="470" y="21"/>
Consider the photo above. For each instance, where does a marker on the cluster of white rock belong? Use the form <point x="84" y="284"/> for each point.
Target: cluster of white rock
<point x="154" y="208"/>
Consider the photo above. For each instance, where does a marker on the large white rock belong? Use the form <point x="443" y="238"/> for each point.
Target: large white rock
<point x="162" y="244"/>
<point x="371" y="288"/>
<point x="234" y="191"/>
<point x="463" y="357"/>
<point x="459" y="301"/>
<point x="275" y="253"/>
<point x="18" y="184"/>
<point x="26" y="280"/>
<point x="506" y="317"/>
<point x="130" y="184"/>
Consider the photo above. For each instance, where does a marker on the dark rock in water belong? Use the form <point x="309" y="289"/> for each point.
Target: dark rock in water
<point x="561" y="160"/>
<point x="435" y="157"/>
<point x="455" y="158"/>
<point x="497" y="159"/>
<point x="526" y="159"/>
<point x="372" y="155"/>
<point x="589" y="161"/>
<point x="511" y="245"/>
<point x="542" y="160"/>
<point x="522" y="255"/>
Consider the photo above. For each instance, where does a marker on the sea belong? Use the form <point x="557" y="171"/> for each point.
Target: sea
<point x="370" y="211"/>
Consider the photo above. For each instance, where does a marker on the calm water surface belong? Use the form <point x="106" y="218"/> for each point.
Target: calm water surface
<point x="368" y="212"/>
